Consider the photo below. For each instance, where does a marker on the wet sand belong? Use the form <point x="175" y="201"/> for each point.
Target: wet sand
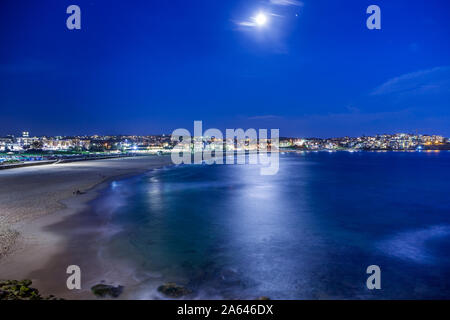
<point x="36" y="201"/>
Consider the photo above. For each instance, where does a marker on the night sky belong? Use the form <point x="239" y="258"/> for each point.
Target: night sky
<point x="149" y="67"/>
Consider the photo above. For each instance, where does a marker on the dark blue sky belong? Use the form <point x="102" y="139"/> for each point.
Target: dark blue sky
<point x="144" y="67"/>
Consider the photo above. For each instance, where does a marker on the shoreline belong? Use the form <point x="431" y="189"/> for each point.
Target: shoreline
<point x="75" y="234"/>
<point x="29" y="207"/>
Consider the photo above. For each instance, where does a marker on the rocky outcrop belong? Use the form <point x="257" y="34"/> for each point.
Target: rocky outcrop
<point x="104" y="290"/>
<point x="173" y="290"/>
<point x="20" y="290"/>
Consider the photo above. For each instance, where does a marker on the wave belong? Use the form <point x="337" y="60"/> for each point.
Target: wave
<point x="414" y="246"/>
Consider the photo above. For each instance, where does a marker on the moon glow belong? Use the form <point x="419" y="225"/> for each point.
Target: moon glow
<point x="261" y="19"/>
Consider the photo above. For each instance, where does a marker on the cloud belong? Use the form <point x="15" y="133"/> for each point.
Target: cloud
<point x="251" y="22"/>
<point x="253" y="19"/>
<point x="419" y="82"/>
<point x="287" y="3"/>
<point x="246" y="24"/>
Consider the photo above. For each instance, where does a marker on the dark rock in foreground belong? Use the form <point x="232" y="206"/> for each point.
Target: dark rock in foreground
<point x="102" y="290"/>
<point x="20" y="290"/>
<point x="173" y="290"/>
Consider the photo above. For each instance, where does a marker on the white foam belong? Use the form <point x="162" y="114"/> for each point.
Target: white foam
<point x="412" y="245"/>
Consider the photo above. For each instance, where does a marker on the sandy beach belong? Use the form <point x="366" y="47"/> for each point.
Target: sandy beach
<point x="32" y="198"/>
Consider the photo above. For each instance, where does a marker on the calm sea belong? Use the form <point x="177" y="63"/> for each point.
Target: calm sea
<point x="309" y="232"/>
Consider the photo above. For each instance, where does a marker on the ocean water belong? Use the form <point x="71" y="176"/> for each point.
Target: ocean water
<point x="308" y="232"/>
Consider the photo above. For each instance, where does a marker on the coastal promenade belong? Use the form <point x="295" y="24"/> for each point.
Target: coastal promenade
<point x="64" y="160"/>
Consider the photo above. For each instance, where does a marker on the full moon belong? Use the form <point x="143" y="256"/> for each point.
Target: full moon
<point x="261" y="19"/>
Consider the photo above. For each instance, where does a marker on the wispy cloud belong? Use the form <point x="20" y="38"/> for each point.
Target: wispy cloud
<point x="422" y="81"/>
<point x="246" y="23"/>
<point x="252" y="21"/>
<point x="287" y="3"/>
